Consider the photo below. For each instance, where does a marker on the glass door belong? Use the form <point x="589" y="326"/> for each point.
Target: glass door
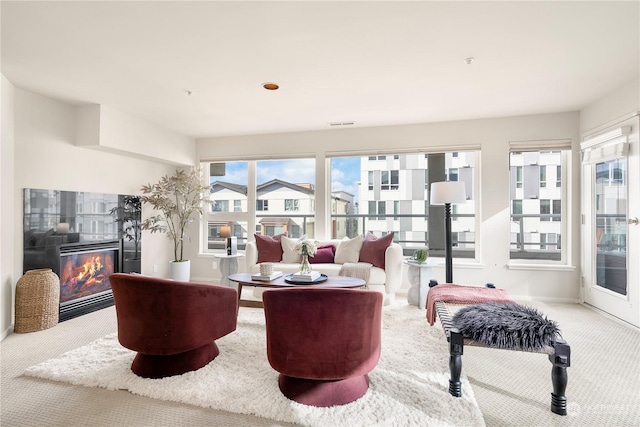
<point x="610" y="229"/>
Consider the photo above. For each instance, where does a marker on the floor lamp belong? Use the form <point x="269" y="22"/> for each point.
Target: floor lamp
<point x="445" y="193"/>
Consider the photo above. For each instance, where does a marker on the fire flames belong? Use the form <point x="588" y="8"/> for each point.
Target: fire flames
<point x="84" y="275"/>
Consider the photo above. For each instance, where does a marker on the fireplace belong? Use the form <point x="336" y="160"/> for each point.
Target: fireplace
<point x="83" y="237"/>
<point x="84" y="276"/>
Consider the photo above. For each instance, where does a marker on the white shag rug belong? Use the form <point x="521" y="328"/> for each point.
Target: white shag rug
<point x="409" y="387"/>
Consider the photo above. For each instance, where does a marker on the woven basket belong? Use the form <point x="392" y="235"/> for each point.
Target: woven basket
<point x="37" y="301"/>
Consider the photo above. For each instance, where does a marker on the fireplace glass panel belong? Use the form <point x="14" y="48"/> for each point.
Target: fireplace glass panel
<point x="84" y="274"/>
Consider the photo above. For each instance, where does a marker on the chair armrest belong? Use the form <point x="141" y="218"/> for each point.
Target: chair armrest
<point x="393" y="268"/>
<point x="251" y="255"/>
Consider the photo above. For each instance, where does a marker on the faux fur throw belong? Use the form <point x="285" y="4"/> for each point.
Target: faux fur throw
<point x="506" y="325"/>
<point x="359" y="270"/>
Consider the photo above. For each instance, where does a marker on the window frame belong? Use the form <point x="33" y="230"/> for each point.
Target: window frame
<point x="563" y="149"/>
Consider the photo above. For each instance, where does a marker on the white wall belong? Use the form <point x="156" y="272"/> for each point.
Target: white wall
<point x="104" y="128"/>
<point x="611" y="107"/>
<point x="46" y="157"/>
<point x="7" y="227"/>
<point x="491" y="135"/>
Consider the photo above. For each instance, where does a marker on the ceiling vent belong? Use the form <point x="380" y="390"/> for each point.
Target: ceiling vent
<point x="342" y="123"/>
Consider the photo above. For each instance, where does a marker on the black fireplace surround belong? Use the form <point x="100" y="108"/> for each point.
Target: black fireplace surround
<point x="83" y="238"/>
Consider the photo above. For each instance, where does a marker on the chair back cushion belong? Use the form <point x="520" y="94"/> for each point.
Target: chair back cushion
<point x="161" y="316"/>
<point x="323" y="333"/>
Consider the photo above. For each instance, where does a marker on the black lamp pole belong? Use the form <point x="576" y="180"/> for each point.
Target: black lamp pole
<point x="446" y="193"/>
<point x="448" y="254"/>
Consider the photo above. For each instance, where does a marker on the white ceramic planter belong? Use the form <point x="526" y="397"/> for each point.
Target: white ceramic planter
<point x="180" y="271"/>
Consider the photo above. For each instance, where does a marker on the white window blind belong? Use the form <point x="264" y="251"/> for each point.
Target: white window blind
<point x="606" y="146"/>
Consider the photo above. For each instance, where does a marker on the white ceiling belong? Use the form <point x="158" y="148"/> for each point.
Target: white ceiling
<point x="375" y="63"/>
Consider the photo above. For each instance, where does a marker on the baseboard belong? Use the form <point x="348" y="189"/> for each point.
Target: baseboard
<point x="610" y="317"/>
<point x="545" y="299"/>
<point x="6" y="332"/>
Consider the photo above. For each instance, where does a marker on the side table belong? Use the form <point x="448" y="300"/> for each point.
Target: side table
<point x="419" y="276"/>
<point x="228" y="266"/>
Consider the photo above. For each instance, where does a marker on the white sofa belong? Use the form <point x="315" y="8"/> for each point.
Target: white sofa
<point x="387" y="280"/>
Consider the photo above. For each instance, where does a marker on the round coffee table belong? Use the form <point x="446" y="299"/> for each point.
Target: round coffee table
<point x="279" y="282"/>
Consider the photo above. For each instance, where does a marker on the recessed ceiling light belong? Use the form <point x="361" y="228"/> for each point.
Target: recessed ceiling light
<point x="270" y="86"/>
<point x="469" y="60"/>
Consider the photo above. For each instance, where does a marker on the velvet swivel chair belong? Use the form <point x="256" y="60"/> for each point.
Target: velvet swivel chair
<point x="323" y="342"/>
<point x="172" y="325"/>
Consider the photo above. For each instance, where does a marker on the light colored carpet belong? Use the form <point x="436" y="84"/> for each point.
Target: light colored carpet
<point x="408" y="387"/>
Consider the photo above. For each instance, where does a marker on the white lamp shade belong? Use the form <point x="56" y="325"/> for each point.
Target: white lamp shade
<point x="448" y="192"/>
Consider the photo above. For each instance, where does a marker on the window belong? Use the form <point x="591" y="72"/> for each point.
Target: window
<point x="453" y="174"/>
<point x="377" y="207"/>
<point x="228" y="182"/>
<point x="382" y="209"/>
<point x="262" y="205"/>
<point x="99" y="207"/>
<point x="545" y="209"/>
<point x="537" y="220"/>
<point x="292" y="205"/>
<point x="557" y="210"/>
<point x="272" y="196"/>
<point x="221" y="206"/>
<point x="288" y="186"/>
<point x="389" y="180"/>
<point x="373" y="207"/>
<point x="265" y="197"/>
<point x="551" y="207"/>
<point x="516" y="207"/>
<point x="405" y="212"/>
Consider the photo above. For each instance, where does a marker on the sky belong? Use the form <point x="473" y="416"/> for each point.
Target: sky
<point x="345" y="172"/>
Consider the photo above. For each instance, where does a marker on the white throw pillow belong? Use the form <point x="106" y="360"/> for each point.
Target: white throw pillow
<point x="349" y="250"/>
<point x="289" y="254"/>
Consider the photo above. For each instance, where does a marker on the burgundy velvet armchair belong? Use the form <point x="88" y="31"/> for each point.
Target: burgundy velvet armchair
<point x="323" y="342"/>
<point x="172" y="325"/>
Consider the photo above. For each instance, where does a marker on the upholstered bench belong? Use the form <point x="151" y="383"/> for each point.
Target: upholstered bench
<point x="459" y="334"/>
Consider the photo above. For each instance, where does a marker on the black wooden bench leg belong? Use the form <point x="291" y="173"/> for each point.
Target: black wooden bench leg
<point x="456" y="345"/>
<point x="561" y="360"/>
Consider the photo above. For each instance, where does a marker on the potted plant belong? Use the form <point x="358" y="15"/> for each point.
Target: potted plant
<point x="180" y="199"/>
<point x="420" y="256"/>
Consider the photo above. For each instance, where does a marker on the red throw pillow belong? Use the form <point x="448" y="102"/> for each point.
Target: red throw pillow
<point x="324" y="255"/>
<point x="373" y="249"/>
<point x="269" y="248"/>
